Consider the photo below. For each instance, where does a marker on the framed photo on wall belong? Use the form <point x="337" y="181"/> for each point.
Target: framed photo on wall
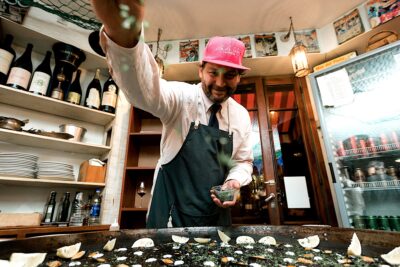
<point x="348" y="26"/>
<point x="380" y="11"/>
<point x="247" y="44"/>
<point x="309" y="39"/>
<point x="189" y="51"/>
<point x="265" y="45"/>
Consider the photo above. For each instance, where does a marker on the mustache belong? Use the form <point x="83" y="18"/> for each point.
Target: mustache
<point x="229" y="89"/>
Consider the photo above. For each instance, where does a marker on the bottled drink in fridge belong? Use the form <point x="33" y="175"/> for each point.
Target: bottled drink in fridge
<point x="94" y="217"/>
<point x="41" y="76"/>
<point x="110" y="95"/>
<point x="64" y="208"/>
<point x="7" y="55"/>
<point x="93" y="92"/>
<point x="21" y="70"/>
<point x="77" y="210"/>
<point x="50" y="207"/>
<point x="75" y="90"/>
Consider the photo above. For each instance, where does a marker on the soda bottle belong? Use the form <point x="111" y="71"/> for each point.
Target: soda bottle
<point x="94" y="217"/>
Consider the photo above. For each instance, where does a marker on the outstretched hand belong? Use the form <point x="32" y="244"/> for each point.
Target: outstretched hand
<point x="228" y="184"/>
<point x="122" y="19"/>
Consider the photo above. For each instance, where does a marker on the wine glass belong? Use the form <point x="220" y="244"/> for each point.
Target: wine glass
<point x="141" y="191"/>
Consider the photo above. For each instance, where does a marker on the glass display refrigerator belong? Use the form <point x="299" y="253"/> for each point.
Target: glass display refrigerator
<point x="358" y="103"/>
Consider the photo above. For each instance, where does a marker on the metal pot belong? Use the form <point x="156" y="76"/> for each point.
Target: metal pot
<point x="374" y="243"/>
<point x="12" y="123"/>
<point x="76" y="131"/>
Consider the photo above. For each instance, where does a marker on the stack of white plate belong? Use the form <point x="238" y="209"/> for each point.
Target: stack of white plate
<point x="53" y="170"/>
<point x="18" y="164"/>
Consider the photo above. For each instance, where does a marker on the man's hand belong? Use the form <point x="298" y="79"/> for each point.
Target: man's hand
<point x="228" y="184"/>
<point x="122" y="19"/>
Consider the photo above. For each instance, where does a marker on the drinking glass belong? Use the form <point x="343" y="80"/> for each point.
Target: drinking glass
<point x="141" y="191"/>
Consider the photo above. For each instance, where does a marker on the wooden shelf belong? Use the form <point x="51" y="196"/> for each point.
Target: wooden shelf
<point x="32" y="140"/>
<point x="146" y="133"/>
<point x="6" y="180"/>
<point x="23" y="232"/>
<point x="49" y="105"/>
<point x="43" y="39"/>
<point x="134" y="209"/>
<point x="141" y="168"/>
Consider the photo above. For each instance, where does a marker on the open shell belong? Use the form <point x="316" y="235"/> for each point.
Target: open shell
<point x="309" y="242"/>
<point x="180" y="239"/>
<point x="355" y="246"/>
<point x="109" y="246"/>
<point x="144" y="243"/>
<point x="68" y="252"/>
<point x="393" y="257"/>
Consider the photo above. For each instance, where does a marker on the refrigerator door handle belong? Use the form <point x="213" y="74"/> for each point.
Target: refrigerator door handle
<point x="332" y="172"/>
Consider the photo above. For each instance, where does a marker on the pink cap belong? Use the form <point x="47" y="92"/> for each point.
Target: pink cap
<point x="225" y="51"/>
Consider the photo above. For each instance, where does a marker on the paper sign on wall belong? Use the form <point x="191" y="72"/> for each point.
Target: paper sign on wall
<point x="335" y="88"/>
<point x="296" y="192"/>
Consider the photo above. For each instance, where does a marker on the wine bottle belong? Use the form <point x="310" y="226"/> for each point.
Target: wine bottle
<point x="21" y="70"/>
<point x="41" y="76"/>
<point x="50" y="207"/>
<point x="64" y="208"/>
<point x="7" y="55"/>
<point x="75" y="90"/>
<point x="93" y="92"/>
<point x="110" y="95"/>
<point x="58" y="92"/>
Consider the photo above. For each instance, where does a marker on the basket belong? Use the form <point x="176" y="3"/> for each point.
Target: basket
<point x="380" y="39"/>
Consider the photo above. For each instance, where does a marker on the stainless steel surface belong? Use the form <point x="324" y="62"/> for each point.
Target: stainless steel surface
<point x="12" y="123"/>
<point x="76" y="131"/>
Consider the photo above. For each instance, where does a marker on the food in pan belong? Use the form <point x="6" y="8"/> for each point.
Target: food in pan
<point x="109" y="246"/>
<point x="205" y="251"/>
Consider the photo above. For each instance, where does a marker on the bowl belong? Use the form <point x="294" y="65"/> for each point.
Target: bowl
<point x="224" y="194"/>
<point x="77" y="131"/>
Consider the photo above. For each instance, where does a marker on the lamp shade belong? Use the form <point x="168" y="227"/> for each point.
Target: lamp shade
<point x="299" y="60"/>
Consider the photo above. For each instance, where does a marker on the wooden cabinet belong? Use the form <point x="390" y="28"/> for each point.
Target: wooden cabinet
<point x="143" y="151"/>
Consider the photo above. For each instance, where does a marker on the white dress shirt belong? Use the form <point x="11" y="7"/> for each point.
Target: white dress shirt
<point x="177" y="105"/>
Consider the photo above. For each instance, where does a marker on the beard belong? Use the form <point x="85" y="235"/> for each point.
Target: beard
<point x="209" y="88"/>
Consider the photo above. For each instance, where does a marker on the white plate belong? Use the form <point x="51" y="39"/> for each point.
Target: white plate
<point x="56" y="178"/>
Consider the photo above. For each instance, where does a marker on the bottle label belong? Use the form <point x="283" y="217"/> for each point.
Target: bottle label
<point x="74" y="98"/>
<point x="109" y="99"/>
<point x="57" y="93"/>
<point x="48" y="214"/>
<point x="19" y="76"/>
<point x="5" y="61"/>
<point x="94" y="98"/>
<point x="40" y="82"/>
<point x="95" y="210"/>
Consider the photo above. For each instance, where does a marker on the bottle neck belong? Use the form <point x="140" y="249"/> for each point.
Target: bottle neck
<point x="97" y="75"/>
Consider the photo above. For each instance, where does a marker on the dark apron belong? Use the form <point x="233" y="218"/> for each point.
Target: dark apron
<point x="183" y="185"/>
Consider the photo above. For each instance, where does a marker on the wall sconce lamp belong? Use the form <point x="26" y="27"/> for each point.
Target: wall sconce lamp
<point x="297" y="54"/>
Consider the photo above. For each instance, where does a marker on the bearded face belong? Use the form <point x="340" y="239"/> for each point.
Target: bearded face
<point x="218" y="82"/>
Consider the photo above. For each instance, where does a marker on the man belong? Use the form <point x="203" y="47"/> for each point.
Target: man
<point x="194" y="156"/>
